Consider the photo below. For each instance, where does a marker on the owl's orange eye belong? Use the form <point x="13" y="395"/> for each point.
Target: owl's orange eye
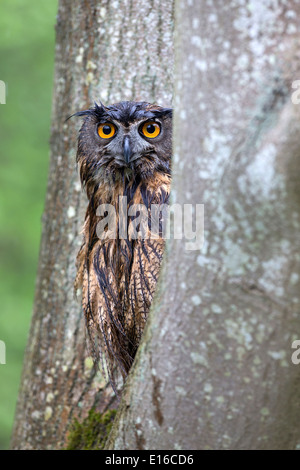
<point x="151" y="129"/>
<point x="106" y="130"/>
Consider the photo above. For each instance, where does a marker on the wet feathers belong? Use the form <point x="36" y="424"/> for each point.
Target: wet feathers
<point x="118" y="275"/>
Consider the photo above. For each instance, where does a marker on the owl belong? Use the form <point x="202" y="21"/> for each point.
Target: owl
<point x="124" y="158"/>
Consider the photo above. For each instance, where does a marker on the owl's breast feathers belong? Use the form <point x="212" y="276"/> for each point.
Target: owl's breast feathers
<point x="118" y="275"/>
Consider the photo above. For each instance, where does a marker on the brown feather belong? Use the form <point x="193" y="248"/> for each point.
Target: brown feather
<point x="118" y="276"/>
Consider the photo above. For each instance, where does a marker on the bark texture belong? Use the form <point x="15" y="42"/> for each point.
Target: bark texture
<point x="215" y="369"/>
<point x="109" y="51"/>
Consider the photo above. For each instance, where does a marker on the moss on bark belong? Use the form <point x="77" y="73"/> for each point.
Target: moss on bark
<point x="92" y="432"/>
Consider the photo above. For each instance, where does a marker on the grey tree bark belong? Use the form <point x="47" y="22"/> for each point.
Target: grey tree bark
<point x="108" y="51"/>
<point x="214" y="370"/>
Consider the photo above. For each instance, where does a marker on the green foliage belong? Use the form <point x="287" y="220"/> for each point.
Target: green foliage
<point x="92" y="433"/>
<point x="27" y="44"/>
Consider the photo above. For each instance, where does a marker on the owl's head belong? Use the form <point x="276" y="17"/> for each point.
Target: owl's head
<point x="128" y="139"/>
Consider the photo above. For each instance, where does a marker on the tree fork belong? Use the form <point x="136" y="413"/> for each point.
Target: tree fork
<point x="97" y="59"/>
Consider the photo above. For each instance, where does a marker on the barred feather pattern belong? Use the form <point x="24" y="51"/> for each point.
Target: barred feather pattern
<point x="118" y="277"/>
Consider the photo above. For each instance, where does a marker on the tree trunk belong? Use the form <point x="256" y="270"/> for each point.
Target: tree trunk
<point x="215" y="370"/>
<point x="108" y="51"/>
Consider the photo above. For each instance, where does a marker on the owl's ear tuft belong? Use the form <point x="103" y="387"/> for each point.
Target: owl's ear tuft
<point x="87" y="112"/>
<point x="163" y="112"/>
<point x="98" y="110"/>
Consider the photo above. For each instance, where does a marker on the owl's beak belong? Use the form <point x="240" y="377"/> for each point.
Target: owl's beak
<point x="127" y="149"/>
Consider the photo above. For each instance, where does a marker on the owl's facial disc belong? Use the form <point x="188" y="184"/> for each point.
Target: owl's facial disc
<point x="126" y="137"/>
<point x="126" y="145"/>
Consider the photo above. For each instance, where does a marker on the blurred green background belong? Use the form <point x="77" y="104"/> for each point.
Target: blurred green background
<point x="27" y="40"/>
